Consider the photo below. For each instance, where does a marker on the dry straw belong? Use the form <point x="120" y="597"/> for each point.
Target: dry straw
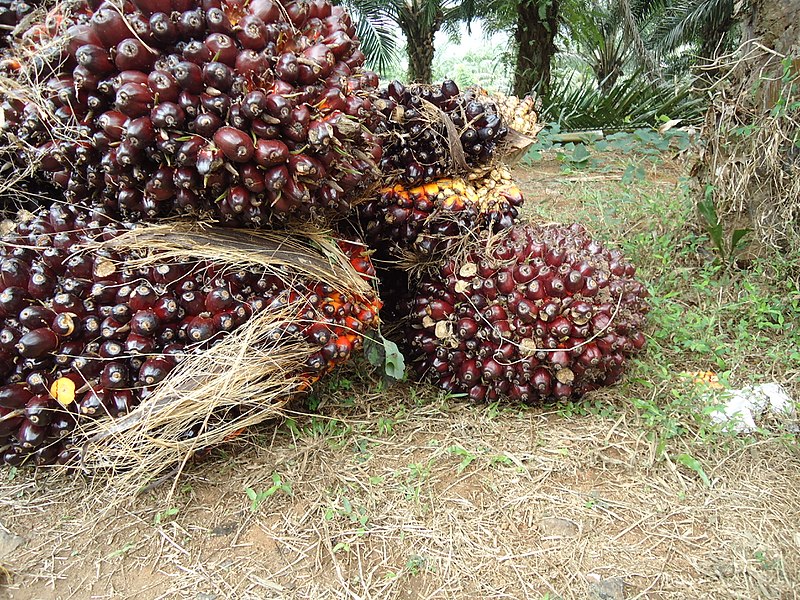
<point x="244" y="380"/>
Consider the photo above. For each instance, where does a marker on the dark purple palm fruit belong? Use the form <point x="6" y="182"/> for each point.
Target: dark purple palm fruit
<point x="436" y="131"/>
<point x="156" y="111"/>
<point x="84" y="337"/>
<point x="535" y="312"/>
<point x="429" y="218"/>
<point x="12" y="12"/>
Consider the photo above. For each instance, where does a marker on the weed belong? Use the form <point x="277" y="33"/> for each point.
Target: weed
<point x="257" y="498"/>
<point x="165" y="515"/>
<point x="467" y="457"/>
<point x="727" y="250"/>
<point x="415" y="564"/>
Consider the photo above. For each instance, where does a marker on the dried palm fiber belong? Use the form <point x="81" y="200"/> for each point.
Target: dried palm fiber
<point x="279" y="336"/>
<point x="749" y="164"/>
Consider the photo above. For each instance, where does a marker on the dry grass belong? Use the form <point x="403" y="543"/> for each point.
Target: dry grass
<point x="398" y="499"/>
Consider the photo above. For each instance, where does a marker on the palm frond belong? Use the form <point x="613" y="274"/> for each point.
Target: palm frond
<point x="376" y="28"/>
<point x="631" y="102"/>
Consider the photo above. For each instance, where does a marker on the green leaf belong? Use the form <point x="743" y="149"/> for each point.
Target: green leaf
<point x="689" y="461"/>
<point x="383" y="353"/>
<point x="395" y="362"/>
<point x="580" y="154"/>
<point x="374" y="349"/>
<point x="736" y="238"/>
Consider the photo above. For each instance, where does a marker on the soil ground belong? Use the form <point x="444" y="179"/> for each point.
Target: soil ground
<point x="404" y="493"/>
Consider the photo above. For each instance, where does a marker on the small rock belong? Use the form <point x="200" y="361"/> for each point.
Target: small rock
<point x="9" y="542"/>
<point x="225" y="529"/>
<point x="204" y="596"/>
<point x="612" y="588"/>
<point x="557" y="527"/>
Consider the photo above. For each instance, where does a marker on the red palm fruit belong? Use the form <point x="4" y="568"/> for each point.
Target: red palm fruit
<point x="65" y="325"/>
<point x="217" y="21"/>
<point x="40" y="410"/>
<point x="191" y="23"/>
<point x="167" y="115"/>
<point x="94" y="403"/>
<point x="164" y="29"/>
<point x="36" y="316"/>
<point x="189" y="76"/>
<point x="223" y="48"/>
<point x="31" y="436"/>
<point x="12" y="301"/>
<point x="200" y="329"/>
<point x="235" y="144"/>
<point x="266" y="10"/>
<point x="279" y="107"/>
<point x="14" y="396"/>
<point x="218" y="76"/>
<point x="145" y="323"/>
<point x="164" y="86"/>
<point x="115" y="376"/>
<point x="95" y="59"/>
<point x="121" y="402"/>
<point x="134" y="100"/>
<point x="133" y="54"/>
<point x="252" y="33"/>
<point x="286" y="68"/>
<point x="37" y="342"/>
<point x="269" y="153"/>
<point x="139" y="344"/>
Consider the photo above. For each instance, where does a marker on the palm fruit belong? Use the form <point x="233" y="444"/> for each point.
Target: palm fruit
<point x="246" y="112"/>
<point x="519" y="114"/>
<point x="12" y="12"/>
<point x="536" y="312"/>
<point x="85" y="336"/>
<point x="436" y="131"/>
<point x="429" y="218"/>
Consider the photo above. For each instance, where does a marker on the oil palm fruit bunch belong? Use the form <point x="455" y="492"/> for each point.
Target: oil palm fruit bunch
<point x="244" y="111"/>
<point x="520" y="114"/>
<point x="427" y="219"/>
<point x="435" y="131"/>
<point x="536" y="312"/>
<point x="85" y="336"/>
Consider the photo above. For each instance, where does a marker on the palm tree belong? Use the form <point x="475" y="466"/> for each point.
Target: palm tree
<point x="417" y="20"/>
<point x="708" y="25"/>
<point x="534" y="25"/>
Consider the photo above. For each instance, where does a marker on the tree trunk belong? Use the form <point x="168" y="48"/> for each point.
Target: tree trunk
<point x="537" y="25"/>
<point x="750" y="116"/>
<point x="419" y="34"/>
<point x="419" y="49"/>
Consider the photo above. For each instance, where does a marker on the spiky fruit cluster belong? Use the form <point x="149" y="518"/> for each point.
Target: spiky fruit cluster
<point x="429" y="218"/>
<point x="82" y="336"/>
<point x="520" y="114"/>
<point x="430" y="127"/>
<point x="533" y="313"/>
<point x="242" y="111"/>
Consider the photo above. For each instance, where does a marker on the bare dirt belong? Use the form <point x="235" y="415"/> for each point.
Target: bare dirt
<point x="409" y="495"/>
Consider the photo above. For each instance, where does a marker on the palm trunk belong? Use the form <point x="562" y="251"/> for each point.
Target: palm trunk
<point x="419" y="33"/>
<point x="534" y="37"/>
<point x="419" y="49"/>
